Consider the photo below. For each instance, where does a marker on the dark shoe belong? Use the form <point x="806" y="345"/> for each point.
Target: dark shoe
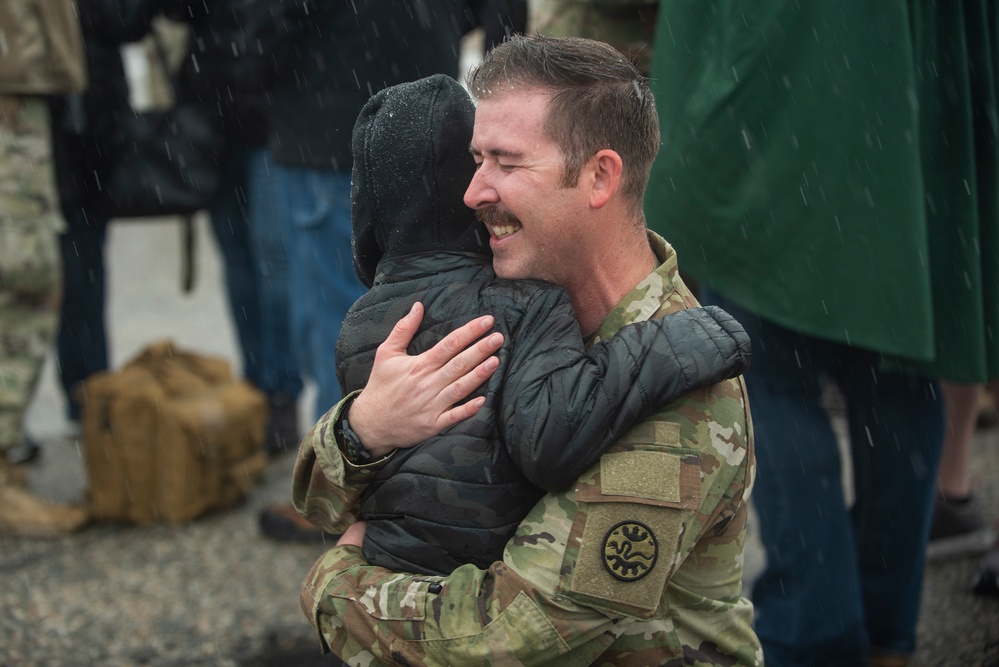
<point x="284" y="524"/>
<point x="26" y="451"/>
<point x="958" y="529"/>
<point x="75" y="399"/>
<point x="987" y="581"/>
<point x="282" y="425"/>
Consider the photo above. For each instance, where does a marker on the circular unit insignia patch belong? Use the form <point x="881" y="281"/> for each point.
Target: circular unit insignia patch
<point x="630" y="550"/>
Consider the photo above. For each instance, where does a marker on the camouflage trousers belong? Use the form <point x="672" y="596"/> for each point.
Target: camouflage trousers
<point x="29" y="257"/>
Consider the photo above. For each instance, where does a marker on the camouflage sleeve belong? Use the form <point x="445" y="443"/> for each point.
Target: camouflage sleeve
<point x="325" y="486"/>
<point x="373" y="616"/>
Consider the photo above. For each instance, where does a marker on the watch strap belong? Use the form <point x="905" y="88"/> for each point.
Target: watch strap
<point x="351" y="444"/>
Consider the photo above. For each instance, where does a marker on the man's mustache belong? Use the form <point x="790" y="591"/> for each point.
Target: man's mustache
<point x="494" y="216"/>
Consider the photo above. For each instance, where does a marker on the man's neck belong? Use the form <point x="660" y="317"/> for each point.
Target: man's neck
<point x="619" y="271"/>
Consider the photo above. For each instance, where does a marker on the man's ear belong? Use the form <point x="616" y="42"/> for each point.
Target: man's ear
<point x="606" y="168"/>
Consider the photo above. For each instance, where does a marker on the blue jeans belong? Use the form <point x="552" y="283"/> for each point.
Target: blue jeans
<point x="254" y="245"/>
<point x="81" y="343"/>
<point x="839" y="581"/>
<point x="324" y="286"/>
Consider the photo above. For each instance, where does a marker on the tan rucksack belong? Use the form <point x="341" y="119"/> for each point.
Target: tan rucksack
<point x="41" y="47"/>
<point x="171" y="436"/>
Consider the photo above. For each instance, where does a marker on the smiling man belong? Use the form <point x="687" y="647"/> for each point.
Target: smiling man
<point x="640" y="562"/>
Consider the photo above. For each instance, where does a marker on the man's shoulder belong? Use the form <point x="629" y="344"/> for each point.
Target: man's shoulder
<point x="710" y="431"/>
<point x="702" y="415"/>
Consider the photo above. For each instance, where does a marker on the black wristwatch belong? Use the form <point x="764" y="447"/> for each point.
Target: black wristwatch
<point x="351" y="444"/>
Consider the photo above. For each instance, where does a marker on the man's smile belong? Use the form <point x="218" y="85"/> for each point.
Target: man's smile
<point x="501" y="231"/>
<point x="499" y="223"/>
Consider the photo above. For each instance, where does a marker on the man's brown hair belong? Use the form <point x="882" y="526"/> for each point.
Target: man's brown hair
<point x="598" y="100"/>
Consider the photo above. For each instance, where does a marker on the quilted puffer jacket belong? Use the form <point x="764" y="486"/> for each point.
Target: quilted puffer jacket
<point x="551" y="409"/>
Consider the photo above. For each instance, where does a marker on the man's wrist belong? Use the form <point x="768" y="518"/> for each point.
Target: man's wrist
<point x="350" y="442"/>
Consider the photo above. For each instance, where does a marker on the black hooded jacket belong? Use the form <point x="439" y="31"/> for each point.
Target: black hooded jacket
<point x="551" y="409"/>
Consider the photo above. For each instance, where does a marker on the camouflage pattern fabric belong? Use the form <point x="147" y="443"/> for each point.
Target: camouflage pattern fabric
<point x="29" y="257"/>
<point x="639" y="564"/>
<point x="627" y="25"/>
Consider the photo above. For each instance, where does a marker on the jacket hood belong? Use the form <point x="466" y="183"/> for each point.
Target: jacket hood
<point x="411" y="170"/>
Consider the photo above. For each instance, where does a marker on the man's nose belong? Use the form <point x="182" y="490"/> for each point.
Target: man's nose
<point x="479" y="192"/>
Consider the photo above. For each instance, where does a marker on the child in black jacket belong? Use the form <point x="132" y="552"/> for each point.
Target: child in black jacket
<point x="552" y="408"/>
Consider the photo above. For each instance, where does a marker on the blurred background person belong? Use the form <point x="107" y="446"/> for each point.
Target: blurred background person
<point x="222" y="68"/>
<point x="828" y="174"/>
<point x="43" y="54"/>
<point x="225" y="69"/>
<point x="82" y="124"/>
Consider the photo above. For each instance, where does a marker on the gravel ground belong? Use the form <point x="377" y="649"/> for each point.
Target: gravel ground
<point x="214" y="592"/>
<point x="956" y="628"/>
<point x="210" y="592"/>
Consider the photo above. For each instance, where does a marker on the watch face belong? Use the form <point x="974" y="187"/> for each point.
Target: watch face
<point x="354" y="449"/>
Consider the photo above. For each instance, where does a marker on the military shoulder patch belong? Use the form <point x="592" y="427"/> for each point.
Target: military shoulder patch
<point x="620" y="565"/>
<point x="630" y="550"/>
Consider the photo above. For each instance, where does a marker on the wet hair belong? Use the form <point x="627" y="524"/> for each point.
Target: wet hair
<point x="598" y="100"/>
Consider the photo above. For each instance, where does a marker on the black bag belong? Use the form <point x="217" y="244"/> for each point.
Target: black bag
<point x="164" y="162"/>
<point x="167" y="163"/>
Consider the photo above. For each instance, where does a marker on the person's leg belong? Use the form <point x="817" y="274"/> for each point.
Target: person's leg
<point x="270" y="239"/>
<point x="324" y="285"/>
<point x="962" y="403"/>
<point x="959" y="527"/>
<point x="81" y="344"/>
<point x="316" y="209"/>
<point x="29" y="292"/>
<point x="896" y="433"/>
<point x="27" y="325"/>
<point x="289" y="196"/>
<point x="329" y="261"/>
<point x="228" y="213"/>
<point x="987" y="581"/>
<point x="808" y="598"/>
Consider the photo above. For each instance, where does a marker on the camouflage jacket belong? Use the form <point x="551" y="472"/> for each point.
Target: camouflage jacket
<point x="640" y="563"/>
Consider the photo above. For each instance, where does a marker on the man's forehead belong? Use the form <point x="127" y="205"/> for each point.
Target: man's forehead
<point x="516" y="94"/>
<point x="505" y="119"/>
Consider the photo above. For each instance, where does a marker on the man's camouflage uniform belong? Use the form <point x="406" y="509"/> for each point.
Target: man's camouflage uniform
<point x="43" y="53"/>
<point x="639" y="564"/>
<point x="627" y="25"/>
<point x="29" y="257"/>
